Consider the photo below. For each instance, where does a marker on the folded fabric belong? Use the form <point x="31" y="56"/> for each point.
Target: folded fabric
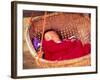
<point x="65" y="50"/>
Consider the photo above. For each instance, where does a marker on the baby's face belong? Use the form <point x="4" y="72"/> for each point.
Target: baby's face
<point x="51" y="35"/>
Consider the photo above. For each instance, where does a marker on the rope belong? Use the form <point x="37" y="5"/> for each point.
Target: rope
<point x="31" y="21"/>
<point x="40" y="53"/>
<point x="44" y="23"/>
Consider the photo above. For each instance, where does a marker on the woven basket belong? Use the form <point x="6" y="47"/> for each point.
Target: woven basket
<point x="67" y="24"/>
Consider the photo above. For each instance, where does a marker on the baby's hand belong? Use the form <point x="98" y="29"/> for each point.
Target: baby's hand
<point x="72" y="37"/>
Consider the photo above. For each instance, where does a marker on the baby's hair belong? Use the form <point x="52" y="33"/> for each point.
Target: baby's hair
<point x="50" y="30"/>
<point x="54" y="31"/>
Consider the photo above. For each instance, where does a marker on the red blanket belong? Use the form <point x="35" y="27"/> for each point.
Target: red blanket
<point x="65" y="50"/>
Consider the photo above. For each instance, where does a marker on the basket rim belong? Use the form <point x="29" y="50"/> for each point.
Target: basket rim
<point x="67" y="61"/>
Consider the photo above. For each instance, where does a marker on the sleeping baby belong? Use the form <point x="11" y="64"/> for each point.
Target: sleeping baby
<point x="56" y="49"/>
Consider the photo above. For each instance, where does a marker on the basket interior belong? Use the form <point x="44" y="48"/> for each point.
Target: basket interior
<point x="66" y="24"/>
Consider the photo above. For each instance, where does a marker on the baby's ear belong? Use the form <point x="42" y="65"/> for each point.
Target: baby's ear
<point x="50" y="37"/>
<point x="47" y="37"/>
